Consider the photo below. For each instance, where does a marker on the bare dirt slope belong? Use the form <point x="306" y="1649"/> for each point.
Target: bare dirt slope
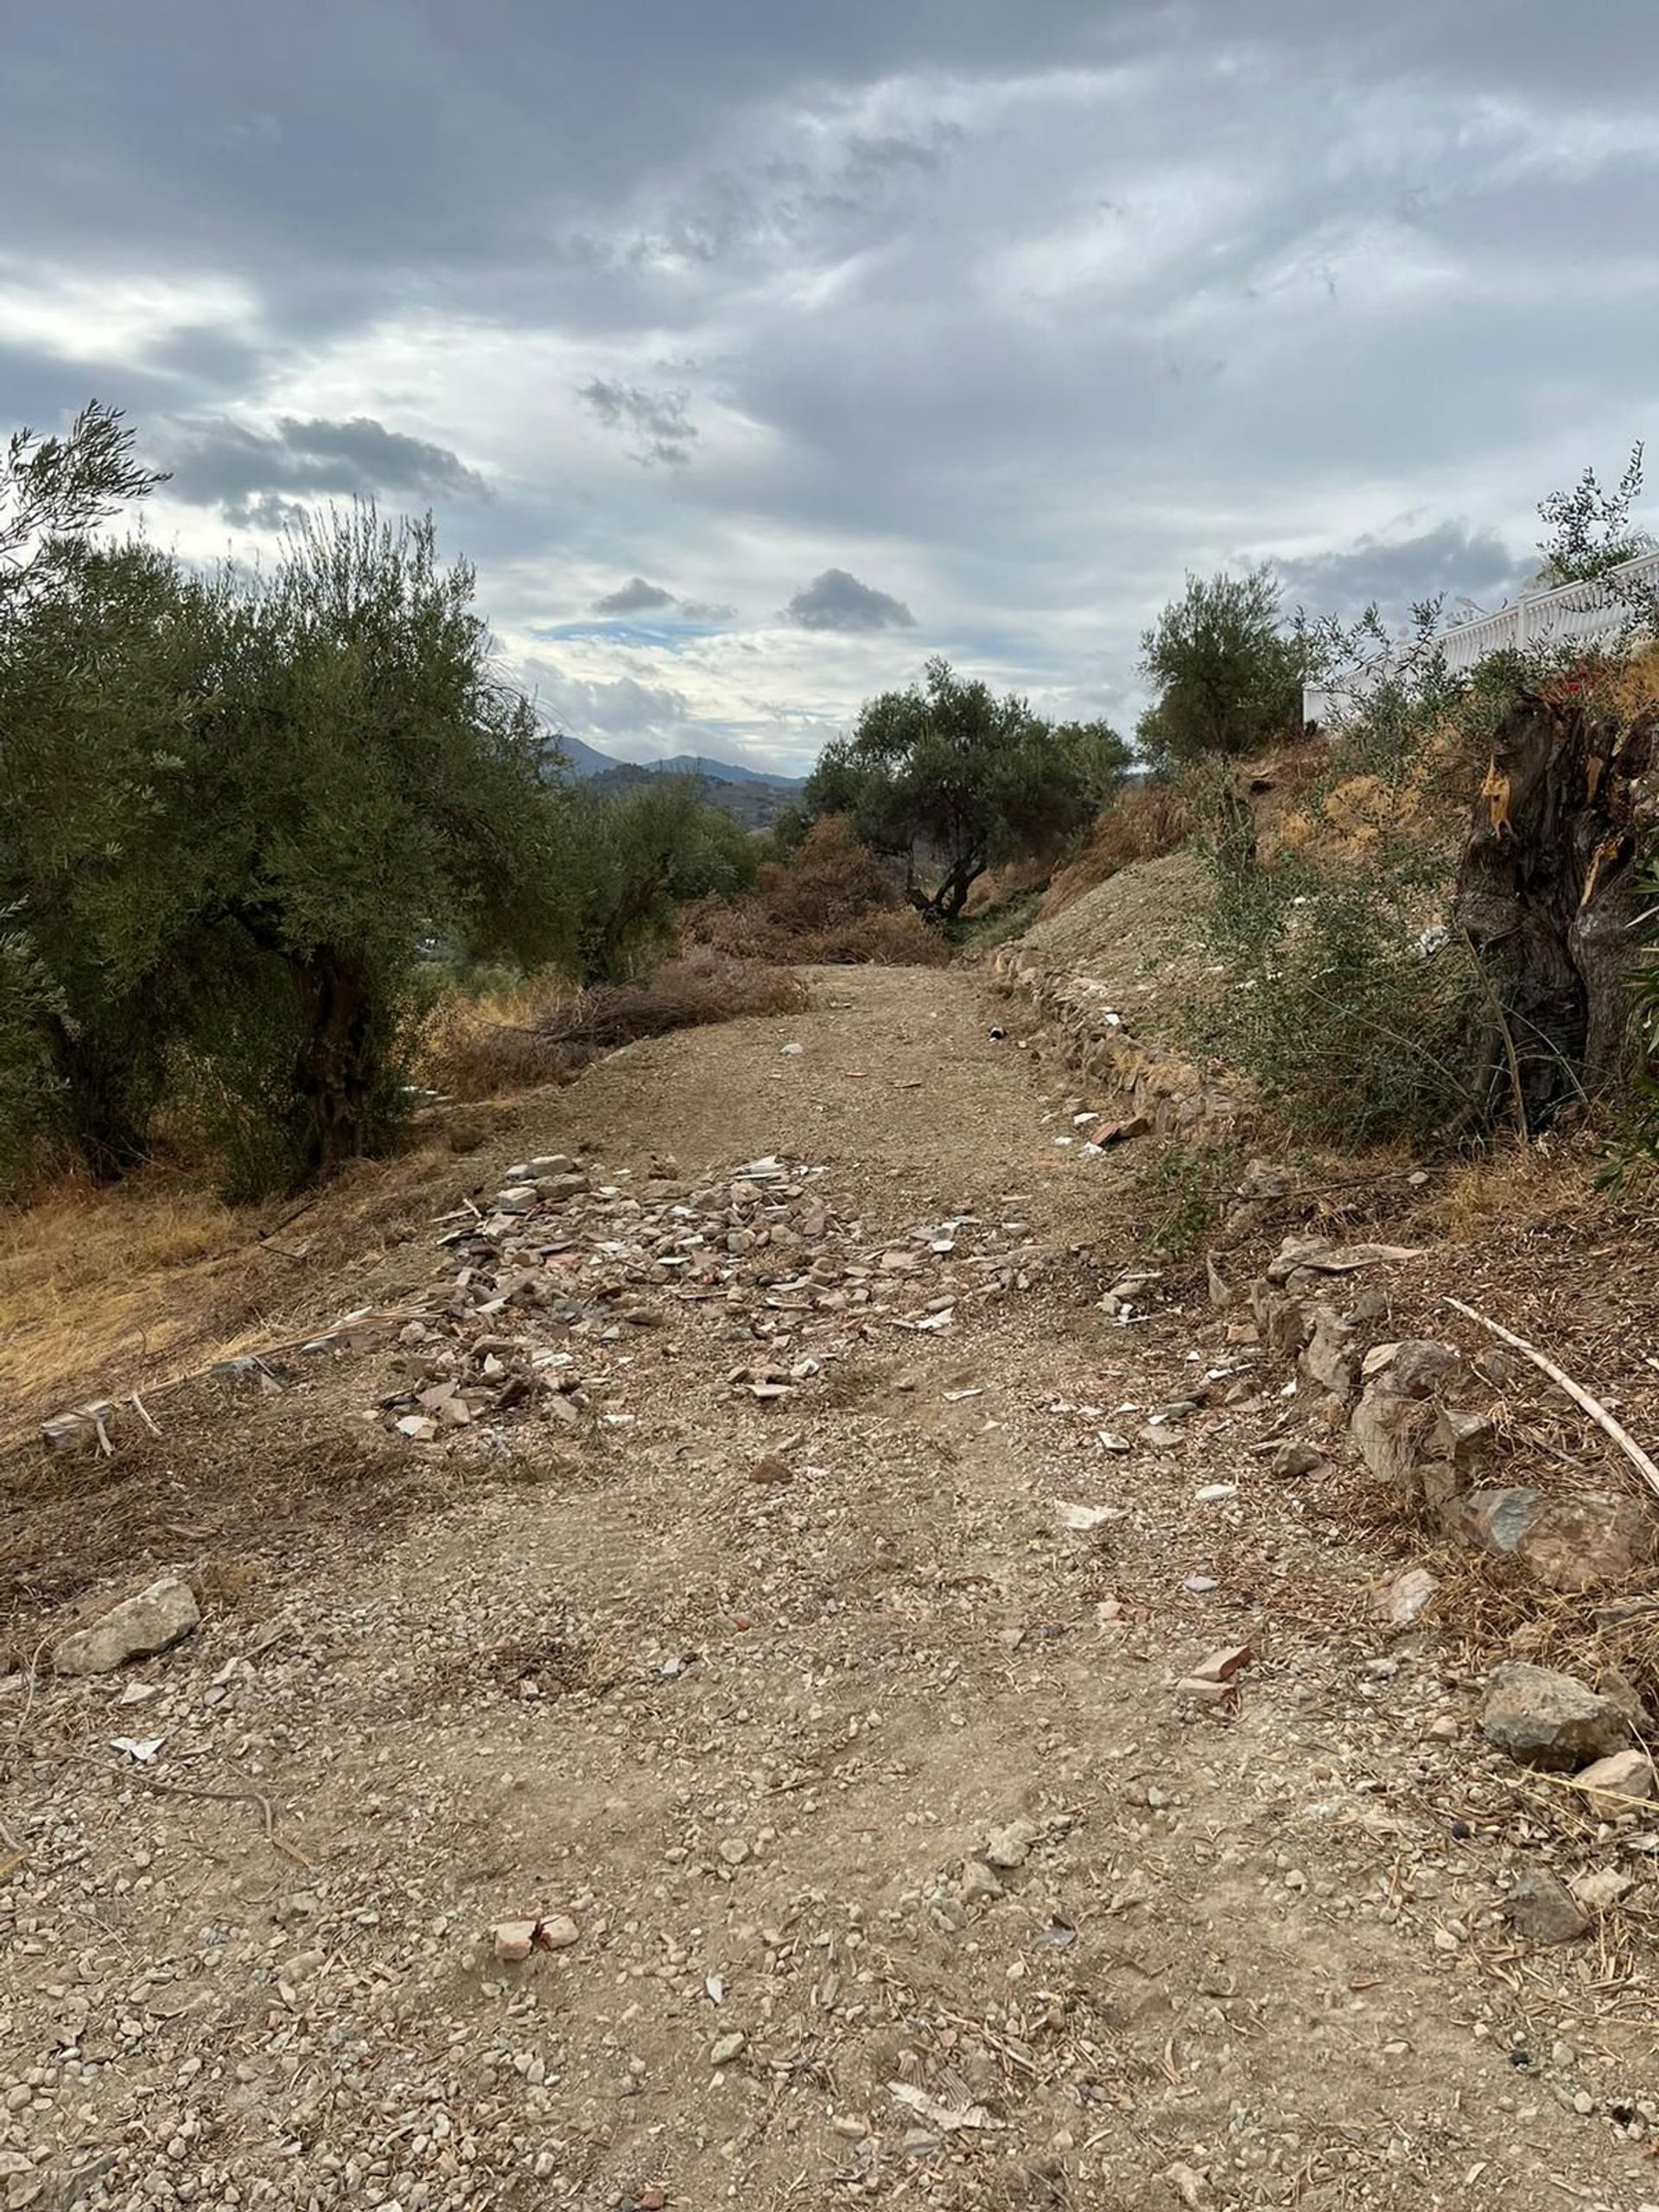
<point x="898" y="1869"/>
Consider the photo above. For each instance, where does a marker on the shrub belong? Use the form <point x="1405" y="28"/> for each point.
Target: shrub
<point x="1147" y="820"/>
<point x="834" y="903"/>
<point x="1646" y="1120"/>
<point x="1350" y="1025"/>
<point x="1182" y="1196"/>
<point x="485" y="1050"/>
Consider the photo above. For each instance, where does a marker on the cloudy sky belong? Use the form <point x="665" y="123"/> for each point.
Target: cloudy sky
<point x="753" y="352"/>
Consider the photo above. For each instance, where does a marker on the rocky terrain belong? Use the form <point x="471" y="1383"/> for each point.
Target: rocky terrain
<point x="885" y="1693"/>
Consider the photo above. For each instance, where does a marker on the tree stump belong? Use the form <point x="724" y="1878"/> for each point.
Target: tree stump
<point x="1547" y="897"/>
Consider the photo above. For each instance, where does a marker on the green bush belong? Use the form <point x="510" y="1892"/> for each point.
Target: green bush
<point x="1352" y="1022"/>
<point x="1228" y="677"/>
<point x="636" y="859"/>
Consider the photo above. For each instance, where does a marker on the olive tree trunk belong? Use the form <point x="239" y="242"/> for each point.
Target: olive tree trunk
<point x="1546" y="894"/>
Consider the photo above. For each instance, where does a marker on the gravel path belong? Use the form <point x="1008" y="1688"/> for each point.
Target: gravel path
<point x="753" y="1637"/>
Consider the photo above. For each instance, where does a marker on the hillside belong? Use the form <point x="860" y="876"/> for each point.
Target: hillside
<point x="752" y="801"/>
<point x="756" y="1523"/>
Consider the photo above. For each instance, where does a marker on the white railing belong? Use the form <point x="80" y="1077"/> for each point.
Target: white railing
<point x="1576" y="614"/>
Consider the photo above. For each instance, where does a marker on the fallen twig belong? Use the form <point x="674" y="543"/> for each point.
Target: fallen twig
<point x="1627" y="1443"/>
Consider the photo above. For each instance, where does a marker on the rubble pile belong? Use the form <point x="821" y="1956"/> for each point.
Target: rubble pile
<point x="566" y="1267"/>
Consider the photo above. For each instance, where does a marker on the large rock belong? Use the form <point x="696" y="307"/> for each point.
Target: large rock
<point x="1283" y="1323"/>
<point x="1394" y="1433"/>
<point x="1591" y="1541"/>
<point x="150" y="1622"/>
<point x="1421" y="1367"/>
<point x="1626" y="1774"/>
<point x="1544" y="1719"/>
<point x="1331" y="1356"/>
<point x="1542" y="1910"/>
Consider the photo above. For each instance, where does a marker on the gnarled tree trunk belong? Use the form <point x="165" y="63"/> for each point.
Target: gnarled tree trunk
<point x="1546" y="896"/>
<point x="337" y="1068"/>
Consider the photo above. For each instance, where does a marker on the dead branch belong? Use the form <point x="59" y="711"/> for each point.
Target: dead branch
<point x="1598" y="1414"/>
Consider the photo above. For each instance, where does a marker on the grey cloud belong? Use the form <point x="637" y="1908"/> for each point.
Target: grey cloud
<point x="247" y="472"/>
<point x="836" y="600"/>
<point x="1057" y="301"/>
<point x="634" y="597"/>
<point x="1398" y="573"/>
<point x="639" y="597"/>
<point x="658" y="419"/>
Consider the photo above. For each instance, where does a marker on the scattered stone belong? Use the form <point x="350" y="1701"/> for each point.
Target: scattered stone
<point x="1085" y="1519"/>
<point x="1282" y="1323"/>
<point x="1601" y="1889"/>
<point x="1190" y="2186"/>
<point x="1543" y="1718"/>
<point x="727" y="2048"/>
<point x="1295" y="1459"/>
<point x="1540" y="1910"/>
<point x="512" y="1941"/>
<point x="1331" y="1356"/>
<point x="1300" y="1255"/>
<point x="1625" y="1773"/>
<point x="1011" y="1846"/>
<point x="153" y="1621"/>
<point x="1422" y="1366"/>
<point x="1221" y="1666"/>
<point x="979" y="1886"/>
<point x="1401" y="1599"/>
<point x="1201" y="1690"/>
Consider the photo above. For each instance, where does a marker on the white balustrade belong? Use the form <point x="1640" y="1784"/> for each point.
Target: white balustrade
<point x="1574" y="614"/>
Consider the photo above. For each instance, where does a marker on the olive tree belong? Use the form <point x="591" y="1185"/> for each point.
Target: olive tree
<point x="1227" y="679"/>
<point x="956" y="780"/>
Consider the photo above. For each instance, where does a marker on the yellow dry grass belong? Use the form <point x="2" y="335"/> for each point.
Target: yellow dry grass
<point x="1525" y="1186"/>
<point x="106" y="1291"/>
<point x="90" y="1276"/>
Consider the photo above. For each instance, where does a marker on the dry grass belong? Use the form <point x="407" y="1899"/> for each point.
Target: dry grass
<point x="104" y="1291"/>
<point x="543" y="1035"/>
<point x="1525" y="1187"/>
<point x="1150" y="820"/>
<point x="86" y="1276"/>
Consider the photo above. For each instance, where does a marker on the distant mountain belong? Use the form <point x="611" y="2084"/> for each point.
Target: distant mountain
<point x="756" y="804"/>
<point x="584" y="761"/>
<point x="726" y="771"/>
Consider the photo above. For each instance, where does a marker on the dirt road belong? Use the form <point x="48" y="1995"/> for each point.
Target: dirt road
<point x="899" y="1868"/>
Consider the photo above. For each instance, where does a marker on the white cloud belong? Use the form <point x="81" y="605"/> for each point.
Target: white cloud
<point x="1013" y="316"/>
